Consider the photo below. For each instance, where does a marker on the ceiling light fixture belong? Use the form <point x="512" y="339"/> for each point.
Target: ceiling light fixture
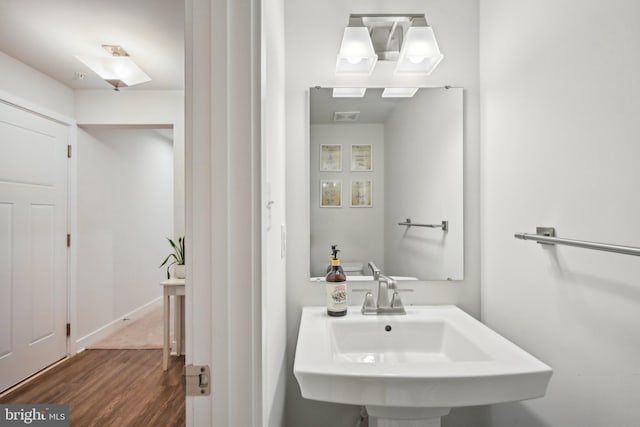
<point x="117" y="69"/>
<point x="406" y="39"/>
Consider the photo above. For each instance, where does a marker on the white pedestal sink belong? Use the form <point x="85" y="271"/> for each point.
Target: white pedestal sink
<point x="410" y="370"/>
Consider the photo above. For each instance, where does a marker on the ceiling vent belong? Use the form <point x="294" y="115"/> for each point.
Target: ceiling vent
<point x="346" y="116"/>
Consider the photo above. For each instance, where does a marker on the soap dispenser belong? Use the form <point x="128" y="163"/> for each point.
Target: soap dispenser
<point x="334" y="254"/>
<point x="336" y="286"/>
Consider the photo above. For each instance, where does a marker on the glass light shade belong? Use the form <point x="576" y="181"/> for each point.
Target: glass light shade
<point x="399" y="92"/>
<point x="420" y="53"/>
<point x="349" y="92"/>
<point x="356" y="54"/>
<point x="116" y="68"/>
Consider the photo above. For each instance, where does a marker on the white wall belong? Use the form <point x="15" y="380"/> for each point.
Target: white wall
<point x="142" y="108"/>
<point x="31" y="89"/>
<point x="425" y="159"/>
<point x="313" y="34"/>
<point x="125" y="211"/>
<point x="356" y="231"/>
<point x="274" y="290"/>
<point x="560" y="101"/>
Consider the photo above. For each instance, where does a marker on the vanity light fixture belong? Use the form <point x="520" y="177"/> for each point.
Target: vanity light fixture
<point x="399" y="92"/>
<point x="356" y="56"/>
<point x="420" y="53"/>
<point x="406" y="39"/>
<point x="116" y="69"/>
<point x="349" y="92"/>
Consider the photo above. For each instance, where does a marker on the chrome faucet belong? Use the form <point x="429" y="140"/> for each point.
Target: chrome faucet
<point x="374" y="270"/>
<point x="383" y="305"/>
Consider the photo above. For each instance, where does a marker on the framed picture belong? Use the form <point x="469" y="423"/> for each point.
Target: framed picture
<point x="330" y="158"/>
<point x="361" y="158"/>
<point x="330" y="193"/>
<point x="361" y="191"/>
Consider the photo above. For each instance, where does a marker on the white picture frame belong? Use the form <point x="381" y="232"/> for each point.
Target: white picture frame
<point x="361" y="158"/>
<point x="330" y="158"/>
<point x="330" y="193"/>
<point x="361" y="193"/>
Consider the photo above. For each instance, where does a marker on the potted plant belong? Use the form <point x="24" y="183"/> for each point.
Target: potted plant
<point x="176" y="257"/>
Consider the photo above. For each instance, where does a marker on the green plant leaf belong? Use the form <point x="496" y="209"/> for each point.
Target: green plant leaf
<point x="167" y="259"/>
<point x="177" y="254"/>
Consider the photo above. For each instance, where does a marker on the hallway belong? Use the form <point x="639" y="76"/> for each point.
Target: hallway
<point x="112" y="388"/>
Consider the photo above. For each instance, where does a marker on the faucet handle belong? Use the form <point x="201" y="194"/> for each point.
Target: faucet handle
<point x="368" y="300"/>
<point x="396" y="302"/>
<point x="368" y="305"/>
<point x="368" y="297"/>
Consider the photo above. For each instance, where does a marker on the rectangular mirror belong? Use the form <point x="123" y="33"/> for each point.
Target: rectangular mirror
<point x="386" y="183"/>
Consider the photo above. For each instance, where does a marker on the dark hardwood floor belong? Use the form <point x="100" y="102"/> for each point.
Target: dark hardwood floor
<point x="103" y="388"/>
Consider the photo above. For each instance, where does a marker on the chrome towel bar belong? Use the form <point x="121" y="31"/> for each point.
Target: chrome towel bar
<point x="444" y="224"/>
<point x="546" y="236"/>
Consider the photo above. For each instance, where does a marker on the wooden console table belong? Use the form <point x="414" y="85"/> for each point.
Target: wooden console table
<point x="172" y="287"/>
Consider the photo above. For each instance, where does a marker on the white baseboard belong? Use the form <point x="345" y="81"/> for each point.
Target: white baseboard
<point x="111" y="327"/>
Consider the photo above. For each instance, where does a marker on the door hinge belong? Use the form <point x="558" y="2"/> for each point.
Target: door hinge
<point x="68" y="329"/>
<point x="196" y="380"/>
<point x="69" y="151"/>
<point x="68" y="240"/>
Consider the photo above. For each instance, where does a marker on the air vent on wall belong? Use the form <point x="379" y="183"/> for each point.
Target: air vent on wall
<point x="346" y="116"/>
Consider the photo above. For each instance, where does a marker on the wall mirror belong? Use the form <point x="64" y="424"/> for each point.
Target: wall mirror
<point x="386" y="183"/>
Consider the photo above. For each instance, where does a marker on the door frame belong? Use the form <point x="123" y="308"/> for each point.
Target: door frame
<point x="223" y="217"/>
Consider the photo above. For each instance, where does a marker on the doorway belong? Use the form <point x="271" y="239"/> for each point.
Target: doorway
<point x="125" y="205"/>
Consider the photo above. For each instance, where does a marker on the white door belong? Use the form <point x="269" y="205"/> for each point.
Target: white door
<point x="33" y="247"/>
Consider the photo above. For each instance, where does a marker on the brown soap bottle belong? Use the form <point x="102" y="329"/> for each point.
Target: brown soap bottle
<point x="336" y="287"/>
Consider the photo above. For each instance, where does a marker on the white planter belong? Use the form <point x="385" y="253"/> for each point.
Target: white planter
<point x="179" y="271"/>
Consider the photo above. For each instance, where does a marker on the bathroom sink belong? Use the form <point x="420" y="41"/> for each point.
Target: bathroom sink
<point x="416" y="366"/>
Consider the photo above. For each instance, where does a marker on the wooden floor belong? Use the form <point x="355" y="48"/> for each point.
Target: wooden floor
<point x="112" y="388"/>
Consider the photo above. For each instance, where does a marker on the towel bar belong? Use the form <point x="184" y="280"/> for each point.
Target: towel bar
<point x="546" y="236"/>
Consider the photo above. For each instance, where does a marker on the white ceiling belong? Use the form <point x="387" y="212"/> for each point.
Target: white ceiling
<point x="48" y="34"/>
